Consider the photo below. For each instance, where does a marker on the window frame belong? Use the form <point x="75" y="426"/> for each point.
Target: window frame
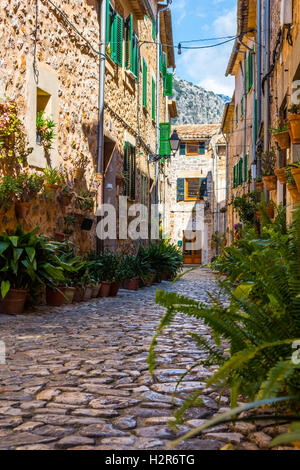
<point x="191" y="154"/>
<point x="186" y="189"/>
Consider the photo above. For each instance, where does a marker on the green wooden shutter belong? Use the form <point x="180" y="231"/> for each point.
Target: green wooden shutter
<point x="132" y="173"/>
<point x="165" y="133"/>
<point x="182" y="149"/>
<point x="153" y="100"/>
<point x="154" y="30"/>
<point x="126" y="169"/>
<point x="201" y="148"/>
<point x="145" y="84"/>
<point x="169" y="84"/>
<point x="164" y="64"/>
<point x="246" y="168"/>
<point x="180" y="189"/>
<point x="118" y="40"/>
<point x="241" y="171"/>
<point x="108" y="37"/>
<point x="129" y="43"/>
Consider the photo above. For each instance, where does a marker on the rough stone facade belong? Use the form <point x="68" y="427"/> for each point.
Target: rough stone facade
<point x="41" y="51"/>
<point x="198" y="215"/>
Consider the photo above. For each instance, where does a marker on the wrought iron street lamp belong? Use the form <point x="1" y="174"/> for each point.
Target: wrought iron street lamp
<point x="174" y="146"/>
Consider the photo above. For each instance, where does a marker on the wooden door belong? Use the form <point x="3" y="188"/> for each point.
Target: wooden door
<point x="192" y="255"/>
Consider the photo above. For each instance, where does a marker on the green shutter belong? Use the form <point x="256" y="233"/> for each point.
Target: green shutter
<point x="180" y="189"/>
<point x="182" y="149"/>
<point x="145" y="84"/>
<point x="132" y="173"/>
<point x="169" y="84"/>
<point x="154" y="30"/>
<point x="118" y="40"/>
<point x="153" y="100"/>
<point x="202" y="187"/>
<point x="129" y="43"/>
<point x="241" y="171"/>
<point x="165" y="132"/>
<point x="163" y="64"/>
<point x="107" y="21"/>
<point x="201" y="148"/>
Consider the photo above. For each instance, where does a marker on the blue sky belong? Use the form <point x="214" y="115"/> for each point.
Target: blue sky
<point x="196" y="19"/>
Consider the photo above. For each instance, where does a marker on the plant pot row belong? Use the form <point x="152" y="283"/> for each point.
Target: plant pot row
<point x="292" y="134"/>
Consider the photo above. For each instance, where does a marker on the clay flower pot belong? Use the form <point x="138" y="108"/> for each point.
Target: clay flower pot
<point x="22" y="209"/>
<point x="295" y="195"/>
<point x="78" y="294"/>
<point x="87" y="293"/>
<point x="14" y="301"/>
<point x="259" y="186"/>
<point x="294" y="128"/>
<point x="280" y="173"/>
<point x="283" y="139"/>
<point x="69" y="293"/>
<point x="131" y="284"/>
<point x="59" y="237"/>
<point x="270" y="182"/>
<point x="104" y="289"/>
<point x="296" y="175"/>
<point x="270" y="211"/>
<point x="114" y="289"/>
<point x="51" y="188"/>
<point x="55" y="297"/>
<point x="95" y="291"/>
<point x="258" y="214"/>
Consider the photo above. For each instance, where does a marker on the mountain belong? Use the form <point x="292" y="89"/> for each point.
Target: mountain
<point x="197" y="105"/>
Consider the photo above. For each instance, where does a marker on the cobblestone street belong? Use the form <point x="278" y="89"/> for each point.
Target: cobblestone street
<point x="76" y="377"/>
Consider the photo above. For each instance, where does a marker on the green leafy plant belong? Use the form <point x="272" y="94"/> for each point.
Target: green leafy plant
<point x="27" y="186"/>
<point x="163" y="258"/>
<point x="45" y="130"/>
<point x="85" y="200"/>
<point x="288" y="174"/>
<point x="294" y="109"/>
<point x="69" y="221"/>
<point x="52" y="176"/>
<point x="7" y="192"/>
<point x="259" y="321"/>
<point x="245" y="206"/>
<point x="282" y="126"/>
<point x="268" y="162"/>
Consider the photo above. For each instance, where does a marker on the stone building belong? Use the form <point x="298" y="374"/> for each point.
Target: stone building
<point x="195" y="191"/>
<point x="266" y="64"/>
<point x="50" y="56"/>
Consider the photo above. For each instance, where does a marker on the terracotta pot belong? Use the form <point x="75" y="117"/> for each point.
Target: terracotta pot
<point x="131" y="284"/>
<point x="66" y="199"/>
<point x="104" y="290"/>
<point x="114" y="289"/>
<point x="59" y="237"/>
<point x="78" y="294"/>
<point x="258" y="214"/>
<point x="87" y="293"/>
<point x="54" y="297"/>
<point x="79" y="173"/>
<point x="52" y="188"/>
<point x="296" y="175"/>
<point x="283" y="139"/>
<point x="14" y="301"/>
<point x="294" y="128"/>
<point x="22" y="209"/>
<point x="259" y="186"/>
<point x="280" y="173"/>
<point x="295" y="195"/>
<point x="69" y="293"/>
<point x="270" y="211"/>
<point x="270" y="182"/>
<point x="95" y="291"/>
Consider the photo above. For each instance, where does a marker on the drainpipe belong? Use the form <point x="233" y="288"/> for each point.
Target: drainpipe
<point x="100" y="156"/>
<point x="164" y="8"/>
<point x="267" y="85"/>
<point x="258" y="82"/>
<point x="254" y="125"/>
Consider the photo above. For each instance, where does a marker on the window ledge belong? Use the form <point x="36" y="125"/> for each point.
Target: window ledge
<point x="110" y="66"/>
<point x="129" y="81"/>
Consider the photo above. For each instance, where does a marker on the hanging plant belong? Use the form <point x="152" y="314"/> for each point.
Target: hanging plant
<point x="80" y="164"/>
<point x="45" y="131"/>
<point x="14" y="148"/>
<point x="85" y="200"/>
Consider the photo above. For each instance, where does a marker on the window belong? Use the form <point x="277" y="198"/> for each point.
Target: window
<point x="249" y="72"/>
<point x="145" y="84"/>
<point x="129" y="170"/>
<point x="191" y="189"/>
<point x="182" y="149"/>
<point x="163" y="64"/>
<point x="144" y="195"/>
<point x="114" y="35"/>
<point x="202" y="148"/>
<point x="192" y="149"/>
<point x="237" y="114"/>
<point x="153" y="100"/>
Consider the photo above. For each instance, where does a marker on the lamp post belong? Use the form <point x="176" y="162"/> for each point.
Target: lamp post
<point x="174" y="146"/>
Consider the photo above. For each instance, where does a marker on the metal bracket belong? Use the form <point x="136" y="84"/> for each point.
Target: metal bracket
<point x="155" y="158"/>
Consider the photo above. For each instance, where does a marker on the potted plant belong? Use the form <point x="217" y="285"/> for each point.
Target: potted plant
<point x="69" y="225"/>
<point x="7" y="193"/>
<point x="268" y="167"/>
<point x="294" y="123"/>
<point x="291" y="185"/>
<point x="259" y="186"/>
<point x="53" y="180"/>
<point x="295" y="169"/>
<point x="85" y="201"/>
<point x="80" y="163"/>
<point x="44" y="131"/>
<point x="27" y="262"/>
<point x="66" y="195"/>
<point x="281" y="135"/>
<point x="27" y="186"/>
<point x="281" y="175"/>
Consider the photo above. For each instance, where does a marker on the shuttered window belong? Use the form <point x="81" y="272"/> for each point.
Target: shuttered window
<point x="131" y="48"/>
<point x="114" y="35"/>
<point x="169" y="84"/>
<point x="165" y="133"/>
<point x="191" y="189"/>
<point x="202" y="148"/>
<point x="246" y="173"/>
<point x="163" y="64"/>
<point x="129" y="170"/>
<point x="249" y="72"/>
<point x="145" y="84"/>
<point x="153" y="99"/>
<point x="182" y="149"/>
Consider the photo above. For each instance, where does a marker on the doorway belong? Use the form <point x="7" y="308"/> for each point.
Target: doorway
<point x="191" y="250"/>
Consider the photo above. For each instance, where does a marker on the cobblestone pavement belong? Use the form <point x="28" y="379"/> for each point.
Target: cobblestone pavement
<point x="76" y="377"/>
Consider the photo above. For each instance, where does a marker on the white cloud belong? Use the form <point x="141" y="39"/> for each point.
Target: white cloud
<point x="207" y="67"/>
<point x="180" y="7"/>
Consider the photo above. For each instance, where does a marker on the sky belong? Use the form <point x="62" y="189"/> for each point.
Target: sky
<point x="201" y="19"/>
